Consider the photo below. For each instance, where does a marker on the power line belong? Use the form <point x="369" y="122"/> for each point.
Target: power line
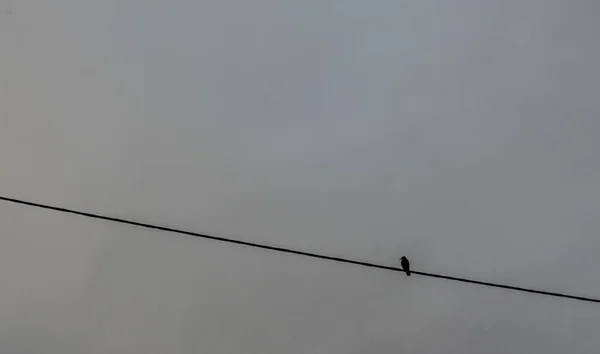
<point x="293" y="251"/>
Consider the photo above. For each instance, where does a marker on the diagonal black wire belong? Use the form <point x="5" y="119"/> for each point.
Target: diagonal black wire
<point x="292" y="251"/>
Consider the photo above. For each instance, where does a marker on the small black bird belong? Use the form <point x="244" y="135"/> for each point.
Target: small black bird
<point x="405" y="265"/>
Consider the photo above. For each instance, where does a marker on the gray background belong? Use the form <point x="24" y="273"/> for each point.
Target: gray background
<point x="463" y="134"/>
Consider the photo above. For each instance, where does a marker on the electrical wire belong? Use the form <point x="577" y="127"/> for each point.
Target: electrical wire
<point x="293" y="251"/>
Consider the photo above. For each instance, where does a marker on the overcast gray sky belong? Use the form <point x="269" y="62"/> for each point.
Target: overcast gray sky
<point x="463" y="134"/>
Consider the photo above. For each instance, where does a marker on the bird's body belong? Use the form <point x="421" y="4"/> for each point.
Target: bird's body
<point x="405" y="265"/>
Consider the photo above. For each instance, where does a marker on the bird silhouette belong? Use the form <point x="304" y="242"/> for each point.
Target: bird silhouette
<point x="405" y="265"/>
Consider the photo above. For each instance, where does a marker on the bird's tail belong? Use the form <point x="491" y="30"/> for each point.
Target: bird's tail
<point x="408" y="273"/>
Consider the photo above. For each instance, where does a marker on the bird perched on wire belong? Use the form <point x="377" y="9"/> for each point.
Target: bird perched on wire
<point x="405" y="265"/>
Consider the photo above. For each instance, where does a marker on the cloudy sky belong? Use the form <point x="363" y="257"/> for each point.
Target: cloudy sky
<point x="463" y="134"/>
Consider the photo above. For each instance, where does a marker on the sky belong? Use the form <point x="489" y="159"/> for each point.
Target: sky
<point x="462" y="134"/>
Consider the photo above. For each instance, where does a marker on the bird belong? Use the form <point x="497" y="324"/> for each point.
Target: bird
<point x="405" y="265"/>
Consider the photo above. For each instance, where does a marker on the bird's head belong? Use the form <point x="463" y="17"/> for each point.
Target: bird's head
<point x="403" y="258"/>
